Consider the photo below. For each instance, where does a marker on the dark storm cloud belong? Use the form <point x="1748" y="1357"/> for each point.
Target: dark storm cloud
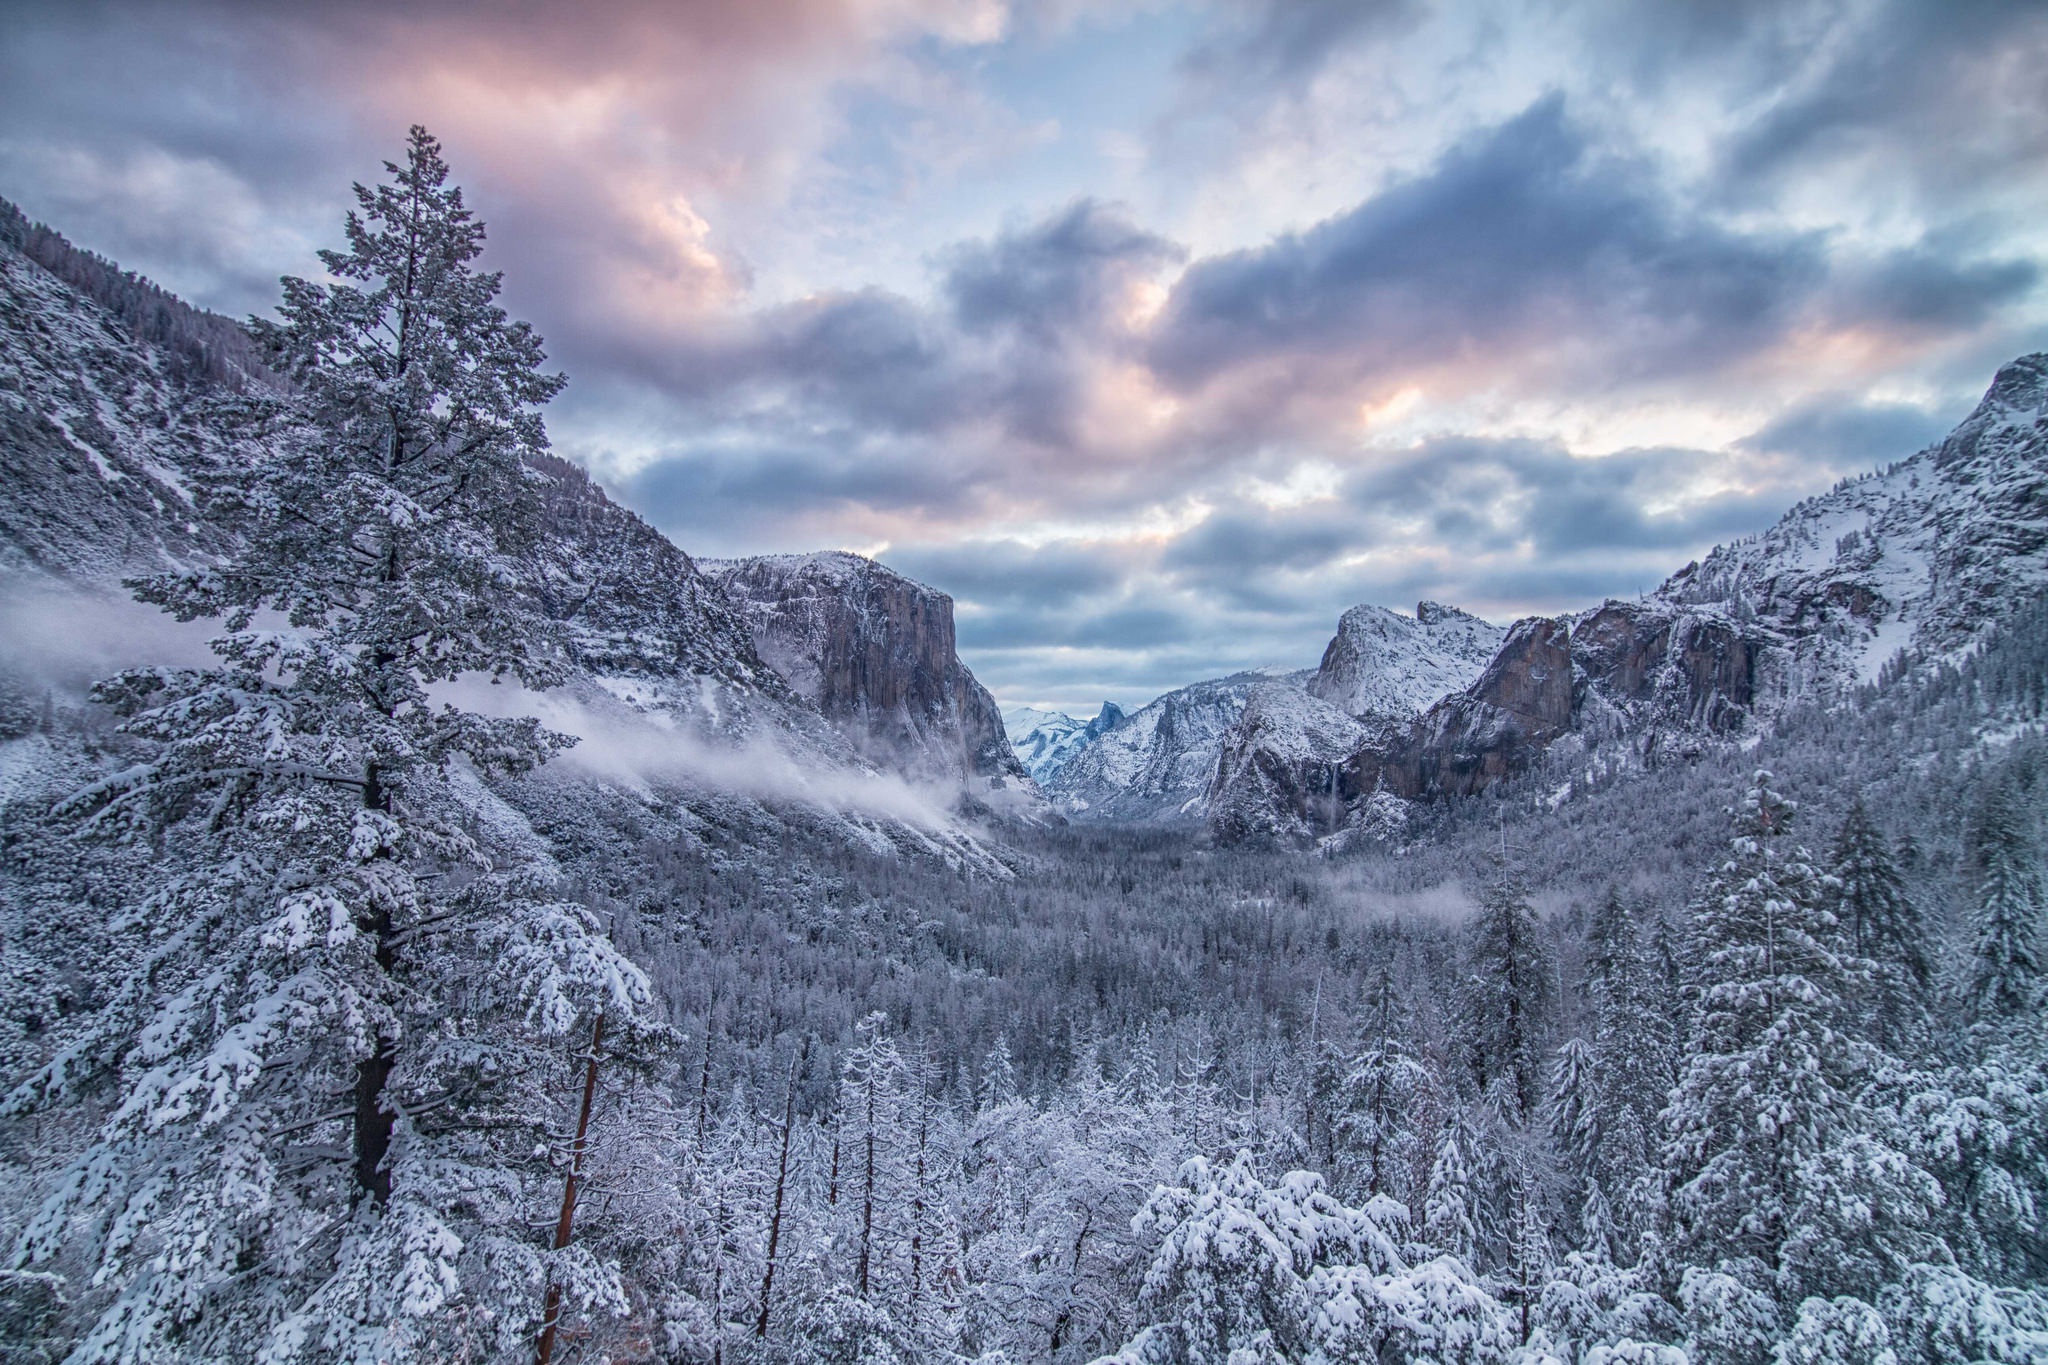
<point x="1231" y="544"/>
<point x="1523" y="234"/>
<point x="1009" y="573"/>
<point x="1489" y="496"/>
<point x="1134" y="626"/>
<point x="765" y="490"/>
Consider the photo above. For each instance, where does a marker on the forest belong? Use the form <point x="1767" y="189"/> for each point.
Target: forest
<point x="341" y="1023"/>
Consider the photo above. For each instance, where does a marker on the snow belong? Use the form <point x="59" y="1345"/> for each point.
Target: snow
<point x="1383" y="663"/>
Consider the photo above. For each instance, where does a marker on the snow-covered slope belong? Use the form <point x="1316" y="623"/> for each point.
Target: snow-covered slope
<point x="1924" y="556"/>
<point x="1278" y="774"/>
<point x="1925" y="553"/>
<point x="1045" y="741"/>
<point x="112" y="441"/>
<point x="1382" y="663"/>
<point x="106" y="449"/>
<point x="1156" y="766"/>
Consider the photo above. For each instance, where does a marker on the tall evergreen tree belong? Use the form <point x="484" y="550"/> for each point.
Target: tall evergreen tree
<point x="2005" y="971"/>
<point x="1382" y="1098"/>
<point x="1632" y="1044"/>
<point x="1575" y="1115"/>
<point x="1448" y="1204"/>
<point x="1508" y="995"/>
<point x="1881" y="924"/>
<point x="339" y="932"/>
<point x="1772" y="1160"/>
<point x="871" y="1107"/>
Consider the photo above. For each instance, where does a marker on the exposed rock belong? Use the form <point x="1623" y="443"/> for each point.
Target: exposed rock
<point x="1382" y="663"/>
<point x="874" y="652"/>
<point x="1279" y="774"/>
<point x="1519" y="705"/>
<point x="1158" y="764"/>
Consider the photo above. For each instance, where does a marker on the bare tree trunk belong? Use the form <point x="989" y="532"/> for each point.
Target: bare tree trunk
<point x="867" y="1191"/>
<point x="917" y="1201"/>
<point x="551" y="1310"/>
<point x="374" y="1120"/>
<point x="775" y="1217"/>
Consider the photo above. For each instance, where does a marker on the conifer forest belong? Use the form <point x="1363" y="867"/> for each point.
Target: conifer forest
<point x="441" y="920"/>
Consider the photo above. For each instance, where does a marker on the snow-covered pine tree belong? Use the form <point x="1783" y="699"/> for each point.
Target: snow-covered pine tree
<point x="1883" y="926"/>
<point x="1381" y="1099"/>
<point x="1447" y="1205"/>
<point x="1632" y="1050"/>
<point x="1508" y="995"/>
<point x="2005" y="972"/>
<point x="328" y="1076"/>
<point x="1575" y="1116"/>
<point x="871" y="1105"/>
<point x="1773" y="1163"/>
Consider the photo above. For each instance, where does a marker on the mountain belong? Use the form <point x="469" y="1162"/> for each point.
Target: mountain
<point x="1045" y="740"/>
<point x="874" y="652"/>
<point x="1916" y="562"/>
<point x="121" y="410"/>
<point x="1256" y="755"/>
<point x="1155" y="765"/>
<point x="1382" y="663"/>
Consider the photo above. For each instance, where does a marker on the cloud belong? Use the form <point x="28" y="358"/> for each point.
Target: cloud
<point x="1529" y="255"/>
<point x="1515" y="309"/>
<point x="1843" y="429"/>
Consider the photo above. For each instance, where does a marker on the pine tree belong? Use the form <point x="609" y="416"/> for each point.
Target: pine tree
<point x="871" y="1110"/>
<point x="1574" y="1126"/>
<point x="2005" y="976"/>
<point x="1447" y="1207"/>
<point x="1631" y="1038"/>
<point x="1508" y="978"/>
<point x="1632" y="1045"/>
<point x="1773" y="1162"/>
<point x="1882" y="925"/>
<point x="356" y="1008"/>
<point x="1381" y="1099"/>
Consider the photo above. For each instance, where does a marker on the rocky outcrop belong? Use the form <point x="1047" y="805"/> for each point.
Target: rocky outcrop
<point x="874" y="652"/>
<point x="1676" y="668"/>
<point x="1279" y="776"/>
<point x="1381" y="663"/>
<point x="1521" y="703"/>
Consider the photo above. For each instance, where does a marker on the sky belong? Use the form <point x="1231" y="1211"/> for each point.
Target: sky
<point x="1156" y="334"/>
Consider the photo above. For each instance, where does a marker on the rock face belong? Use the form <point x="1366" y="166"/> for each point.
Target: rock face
<point x="873" y="651"/>
<point x="1382" y="663"/>
<point x="1044" y="741"/>
<point x="1280" y="774"/>
<point x="1157" y="765"/>
<point x="1519" y="705"/>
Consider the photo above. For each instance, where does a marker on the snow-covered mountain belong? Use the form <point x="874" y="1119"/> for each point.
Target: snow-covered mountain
<point x="1924" y="557"/>
<point x="1044" y="741"/>
<point x="1155" y="766"/>
<point x="874" y="652"/>
<point x="1382" y="663"/>
<point x="116" y="429"/>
